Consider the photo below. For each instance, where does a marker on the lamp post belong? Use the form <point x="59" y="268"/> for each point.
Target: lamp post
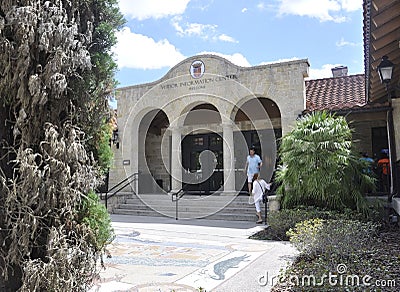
<point x="385" y="71"/>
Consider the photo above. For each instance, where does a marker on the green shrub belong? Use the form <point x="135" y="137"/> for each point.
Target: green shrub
<point x="320" y="166"/>
<point x="341" y="237"/>
<point x="95" y="215"/>
<point x="341" y="247"/>
<point x="103" y="148"/>
<point x="305" y="235"/>
<point x="281" y="221"/>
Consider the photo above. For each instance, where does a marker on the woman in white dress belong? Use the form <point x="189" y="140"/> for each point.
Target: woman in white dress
<point x="259" y="187"/>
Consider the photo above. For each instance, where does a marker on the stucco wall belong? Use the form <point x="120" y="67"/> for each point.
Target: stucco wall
<point x="362" y="125"/>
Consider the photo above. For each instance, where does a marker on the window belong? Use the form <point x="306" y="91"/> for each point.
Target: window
<point x="198" y="141"/>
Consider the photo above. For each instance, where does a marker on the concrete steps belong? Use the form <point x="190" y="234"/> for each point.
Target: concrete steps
<point x="215" y="207"/>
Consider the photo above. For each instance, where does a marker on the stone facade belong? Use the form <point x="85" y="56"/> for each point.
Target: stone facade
<point x="222" y="88"/>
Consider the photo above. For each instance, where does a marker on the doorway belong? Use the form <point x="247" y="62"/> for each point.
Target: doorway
<point x="379" y="141"/>
<point x="202" y="159"/>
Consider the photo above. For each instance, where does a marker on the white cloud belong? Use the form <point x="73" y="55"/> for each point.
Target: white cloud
<point x="204" y="31"/>
<point x="193" y="29"/>
<point x="343" y="43"/>
<point x="175" y="23"/>
<point x="199" y="29"/>
<point x="236" y="58"/>
<point x="202" y="5"/>
<point x="244" y="10"/>
<point x="140" y="9"/>
<point x="261" y="6"/>
<point x="280" y="61"/>
<point x="323" y="10"/>
<point x="324" y="72"/>
<point x="142" y="52"/>
<point x="226" y="38"/>
<point x="351" y="5"/>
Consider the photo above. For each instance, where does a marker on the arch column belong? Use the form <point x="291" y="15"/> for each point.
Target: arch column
<point x="229" y="159"/>
<point x="176" y="158"/>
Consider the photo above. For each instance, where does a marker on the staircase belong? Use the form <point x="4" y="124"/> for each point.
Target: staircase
<point x="214" y="207"/>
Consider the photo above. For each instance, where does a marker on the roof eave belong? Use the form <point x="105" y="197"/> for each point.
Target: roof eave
<point x="367" y="38"/>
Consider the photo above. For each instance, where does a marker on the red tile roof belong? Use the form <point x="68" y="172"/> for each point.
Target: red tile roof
<point x="340" y="93"/>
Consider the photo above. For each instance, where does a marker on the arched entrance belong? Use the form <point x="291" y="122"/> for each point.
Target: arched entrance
<point x="178" y="93"/>
<point x="259" y="121"/>
<point x="202" y="150"/>
<point x="154" y="176"/>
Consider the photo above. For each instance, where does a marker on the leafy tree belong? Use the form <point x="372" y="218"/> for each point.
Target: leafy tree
<point x="57" y="76"/>
<point x="320" y="168"/>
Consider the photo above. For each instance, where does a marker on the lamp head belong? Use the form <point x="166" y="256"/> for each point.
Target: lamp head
<point x="385" y="70"/>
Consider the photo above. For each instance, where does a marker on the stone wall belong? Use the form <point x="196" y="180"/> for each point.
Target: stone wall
<point x="154" y="159"/>
<point x="223" y="85"/>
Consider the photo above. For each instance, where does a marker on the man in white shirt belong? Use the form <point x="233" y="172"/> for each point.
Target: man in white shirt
<point x="253" y="166"/>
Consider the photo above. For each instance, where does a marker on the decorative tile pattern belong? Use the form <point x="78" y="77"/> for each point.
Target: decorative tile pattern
<point x="217" y="272"/>
<point x="162" y="257"/>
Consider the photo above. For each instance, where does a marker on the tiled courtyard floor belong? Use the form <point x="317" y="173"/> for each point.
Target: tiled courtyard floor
<point x="162" y="254"/>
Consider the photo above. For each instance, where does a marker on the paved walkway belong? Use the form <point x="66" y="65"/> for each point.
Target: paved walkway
<point x="162" y="254"/>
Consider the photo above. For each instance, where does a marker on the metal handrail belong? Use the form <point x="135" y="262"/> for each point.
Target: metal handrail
<point x="127" y="181"/>
<point x="270" y="192"/>
<point x="178" y="195"/>
<point x="181" y="193"/>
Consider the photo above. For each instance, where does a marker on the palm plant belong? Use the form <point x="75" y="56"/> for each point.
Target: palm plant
<point x="320" y="167"/>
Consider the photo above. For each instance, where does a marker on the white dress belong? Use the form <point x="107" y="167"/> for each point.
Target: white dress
<point x="258" y="191"/>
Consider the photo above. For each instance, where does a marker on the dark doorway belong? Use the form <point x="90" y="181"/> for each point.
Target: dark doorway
<point x="199" y="163"/>
<point x="379" y="141"/>
<point x="270" y="140"/>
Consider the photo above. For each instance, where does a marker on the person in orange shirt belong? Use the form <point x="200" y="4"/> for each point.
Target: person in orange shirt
<point x="384" y="170"/>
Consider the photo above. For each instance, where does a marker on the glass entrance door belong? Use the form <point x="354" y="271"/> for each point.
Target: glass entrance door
<point x="202" y="160"/>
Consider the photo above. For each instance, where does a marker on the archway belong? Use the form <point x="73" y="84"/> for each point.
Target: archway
<point x="154" y="174"/>
<point x="202" y="150"/>
<point x="259" y="121"/>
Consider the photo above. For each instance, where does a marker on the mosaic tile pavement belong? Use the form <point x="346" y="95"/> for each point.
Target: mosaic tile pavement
<point x="167" y="257"/>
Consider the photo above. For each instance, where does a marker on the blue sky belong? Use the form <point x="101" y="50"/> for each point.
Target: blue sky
<point x="160" y="33"/>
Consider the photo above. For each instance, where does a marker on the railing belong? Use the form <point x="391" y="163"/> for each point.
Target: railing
<point x="270" y="192"/>
<point x="176" y="197"/>
<point x="121" y="185"/>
